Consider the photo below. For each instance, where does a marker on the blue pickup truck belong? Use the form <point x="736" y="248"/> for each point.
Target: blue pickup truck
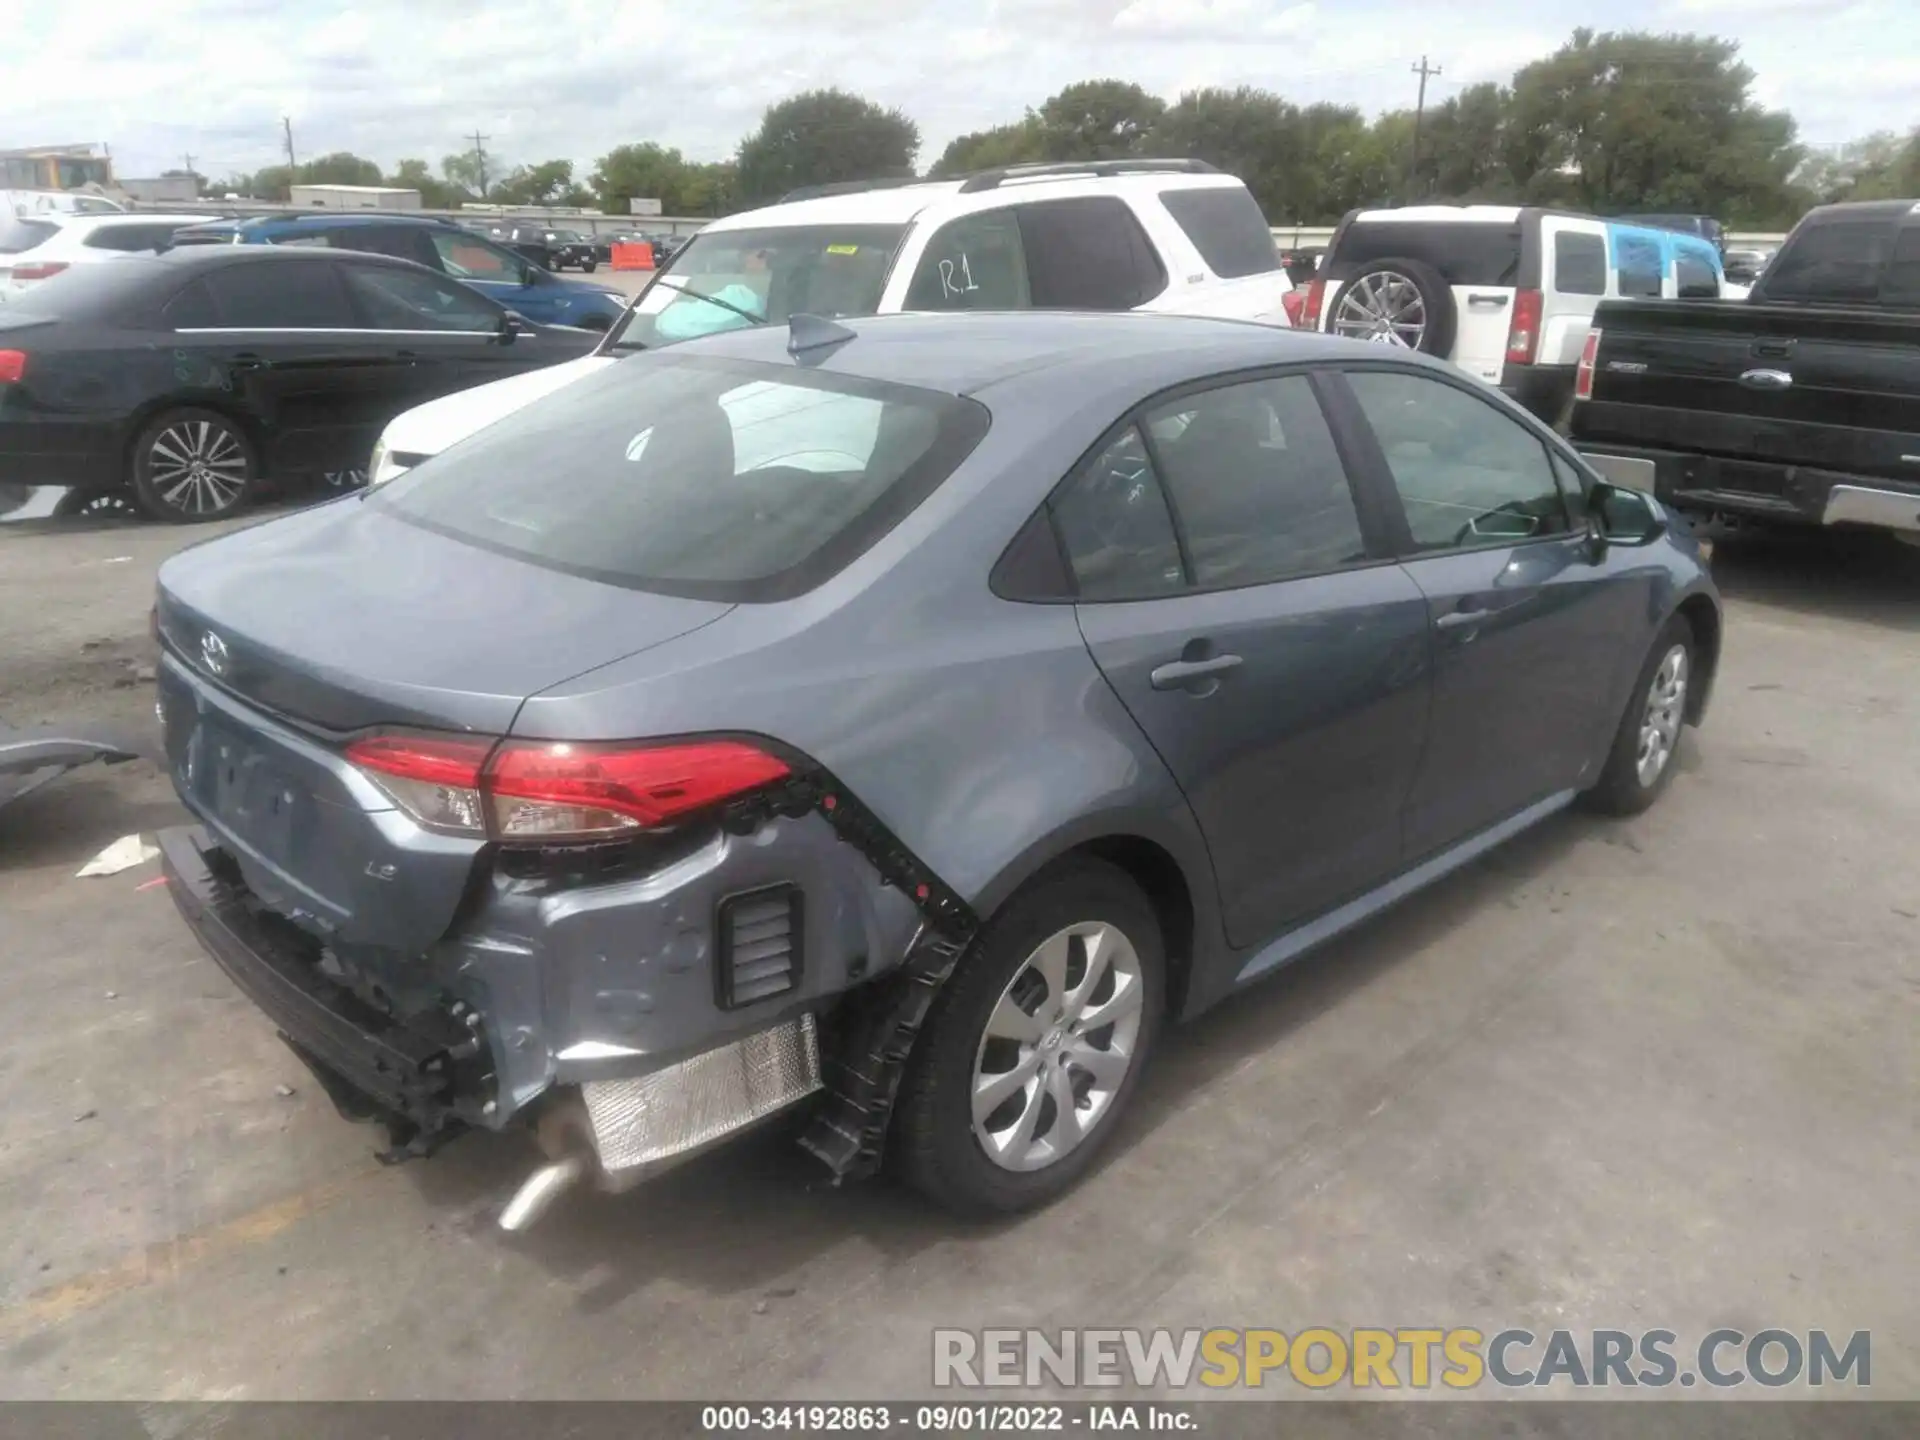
<point x="488" y="266"/>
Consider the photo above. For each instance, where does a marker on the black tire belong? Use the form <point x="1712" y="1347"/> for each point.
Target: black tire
<point x="1436" y="299"/>
<point x="1622" y="789"/>
<point x="165" y="489"/>
<point x="588" y="266"/>
<point x="933" y="1144"/>
<point x="96" y="505"/>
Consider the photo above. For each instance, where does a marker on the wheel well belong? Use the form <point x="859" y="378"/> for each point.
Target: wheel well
<point x="1701" y="615"/>
<point x="1159" y="875"/>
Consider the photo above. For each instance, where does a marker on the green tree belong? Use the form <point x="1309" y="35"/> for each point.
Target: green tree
<point x="1098" y="120"/>
<point x="548" y="183"/>
<point x="467" y="172"/>
<point x="644" y="171"/>
<point x="1881" y="166"/>
<point x="1017" y="144"/>
<point x="822" y="137"/>
<point x="1275" y="146"/>
<point x="1463" y="148"/>
<point x="435" y="193"/>
<point x="1635" y="121"/>
<point x="340" y="168"/>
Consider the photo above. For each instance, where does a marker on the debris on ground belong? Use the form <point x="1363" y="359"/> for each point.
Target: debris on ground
<point x="123" y="854"/>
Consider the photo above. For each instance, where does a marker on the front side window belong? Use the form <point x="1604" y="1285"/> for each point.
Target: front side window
<point x="1694" y="279"/>
<point x="716" y="479"/>
<point x="395" y="299"/>
<point x="294" y="294"/>
<point x="1116" y="529"/>
<point x="976" y="262"/>
<point x="468" y="257"/>
<point x="1468" y="475"/>
<point x="729" y="279"/>
<point x="1259" y="488"/>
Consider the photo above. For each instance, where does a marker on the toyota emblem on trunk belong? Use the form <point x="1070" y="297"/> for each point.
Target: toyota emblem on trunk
<point x="213" y="653"/>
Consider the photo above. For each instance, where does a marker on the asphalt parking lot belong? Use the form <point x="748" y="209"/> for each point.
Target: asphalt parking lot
<point x="1656" y="1073"/>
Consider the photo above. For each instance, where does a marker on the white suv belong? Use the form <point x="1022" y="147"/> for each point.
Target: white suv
<point x="1168" y="235"/>
<point x="38" y="247"/>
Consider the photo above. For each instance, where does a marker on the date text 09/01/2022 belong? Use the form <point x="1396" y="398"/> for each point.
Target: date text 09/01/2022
<point x="943" y="1419"/>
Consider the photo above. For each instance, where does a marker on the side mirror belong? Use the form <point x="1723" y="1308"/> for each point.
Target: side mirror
<point x="1618" y="516"/>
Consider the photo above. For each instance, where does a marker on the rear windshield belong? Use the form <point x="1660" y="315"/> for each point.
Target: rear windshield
<point x="1476" y="253"/>
<point x="18" y="236"/>
<point x="1840" y="262"/>
<point x="1226" y="227"/>
<point x="735" y="278"/>
<point x="688" y="475"/>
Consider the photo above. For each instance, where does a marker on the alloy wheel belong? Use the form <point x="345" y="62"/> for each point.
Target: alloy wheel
<point x="1057" y="1047"/>
<point x="1665" y="711"/>
<point x="1384" y="307"/>
<point x="198" y="467"/>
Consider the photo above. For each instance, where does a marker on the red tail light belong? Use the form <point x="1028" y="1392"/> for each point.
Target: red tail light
<point x="1291" y="302"/>
<point x="1523" y="336"/>
<point x="558" y="790"/>
<point x="40" y="270"/>
<point x="1583" y="376"/>
<point x="13" y="366"/>
<point x="1316" y="297"/>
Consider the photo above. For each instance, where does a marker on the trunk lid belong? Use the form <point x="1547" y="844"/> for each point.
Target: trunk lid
<point x="281" y="638"/>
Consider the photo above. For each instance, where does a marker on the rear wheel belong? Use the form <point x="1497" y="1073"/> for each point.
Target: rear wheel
<point x="589" y="265"/>
<point x="1641" y="763"/>
<point x="96" y="505"/>
<point x="193" y="464"/>
<point x="1035" y="1046"/>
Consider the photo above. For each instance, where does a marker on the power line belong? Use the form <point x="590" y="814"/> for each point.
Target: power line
<point x="1423" y="70"/>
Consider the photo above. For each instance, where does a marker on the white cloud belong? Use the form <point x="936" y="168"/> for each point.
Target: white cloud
<point x="573" y="78"/>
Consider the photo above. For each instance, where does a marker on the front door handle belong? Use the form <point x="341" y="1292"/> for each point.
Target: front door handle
<point x="1175" y="673"/>
<point x="1495" y="302"/>
<point x="1454" y="619"/>
<point x="247" y="360"/>
<point x="1767" y="380"/>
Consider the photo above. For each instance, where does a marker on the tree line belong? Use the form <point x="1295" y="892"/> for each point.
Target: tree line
<point x="1610" y="123"/>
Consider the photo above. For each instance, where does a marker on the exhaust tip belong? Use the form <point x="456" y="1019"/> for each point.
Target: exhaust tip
<point x="539" y="1190"/>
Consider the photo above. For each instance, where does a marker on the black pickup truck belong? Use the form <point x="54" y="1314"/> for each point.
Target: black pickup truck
<point x="1799" y="404"/>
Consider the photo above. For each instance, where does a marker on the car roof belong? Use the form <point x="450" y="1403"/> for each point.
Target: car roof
<point x="897" y="204"/>
<point x="967" y="354"/>
<point x="1488" y="214"/>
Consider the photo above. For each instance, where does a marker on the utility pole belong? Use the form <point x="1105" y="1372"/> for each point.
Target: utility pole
<point x="1423" y="70"/>
<point x="480" y="159"/>
<point x="293" y="165"/>
<point x="189" y="159"/>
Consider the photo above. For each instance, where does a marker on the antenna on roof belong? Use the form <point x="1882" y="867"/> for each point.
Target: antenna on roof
<point x="807" y="333"/>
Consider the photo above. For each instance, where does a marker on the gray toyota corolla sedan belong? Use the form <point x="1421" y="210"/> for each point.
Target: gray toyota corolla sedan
<point x="904" y="718"/>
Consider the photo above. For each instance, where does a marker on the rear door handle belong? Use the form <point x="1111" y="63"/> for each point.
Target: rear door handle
<point x="1767" y="380"/>
<point x="1454" y="619"/>
<point x="247" y="360"/>
<point x="1495" y="302"/>
<point x="1772" y="349"/>
<point x="1175" y="673"/>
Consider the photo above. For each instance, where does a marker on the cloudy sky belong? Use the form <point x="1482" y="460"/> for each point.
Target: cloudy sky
<point x="572" y="78"/>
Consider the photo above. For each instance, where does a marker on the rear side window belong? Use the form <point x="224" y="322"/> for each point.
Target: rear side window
<point x="289" y="295"/>
<point x="1641" y="264"/>
<point x="18" y="236"/>
<point x="1839" y="261"/>
<point x="130" y="238"/>
<point x="716" y="479"/>
<point x="1468" y="253"/>
<point x="1226" y="227"/>
<point x="404" y="242"/>
<point x="1116" y="528"/>
<point x="1259" y="488"/>
<point x="468" y="257"/>
<point x="1694" y="279"/>
<point x="191" y="309"/>
<point x="1579" y="263"/>
<point x="976" y="262"/>
<point x="1088" y="254"/>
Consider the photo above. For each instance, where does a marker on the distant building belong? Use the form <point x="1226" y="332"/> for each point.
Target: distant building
<point x="354" y="197"/>
<point x="163" y="189"/>
<point x="56" y="167"/>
